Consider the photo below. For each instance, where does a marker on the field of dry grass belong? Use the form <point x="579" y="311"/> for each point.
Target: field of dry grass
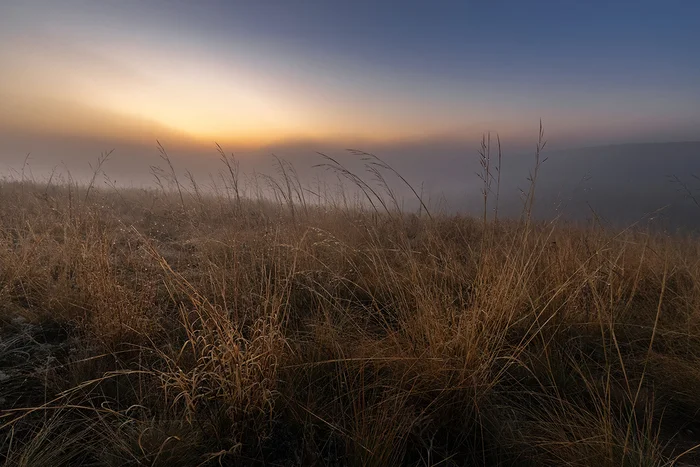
<point x="184" y="328"/>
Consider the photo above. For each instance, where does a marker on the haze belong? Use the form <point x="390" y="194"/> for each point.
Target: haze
<point x="416" y="81"/>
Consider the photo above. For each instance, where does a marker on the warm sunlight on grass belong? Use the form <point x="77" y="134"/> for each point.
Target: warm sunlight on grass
<point x="278" y="324"/>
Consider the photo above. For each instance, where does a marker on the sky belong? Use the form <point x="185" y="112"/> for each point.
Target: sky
<point x="254" y="73"/>
<point x="295" y="76"/>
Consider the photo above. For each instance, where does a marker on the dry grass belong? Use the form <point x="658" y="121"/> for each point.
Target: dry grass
<point x="177" y="327"/>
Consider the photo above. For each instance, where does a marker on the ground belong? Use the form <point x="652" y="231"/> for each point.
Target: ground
<point x="145" y="327"/>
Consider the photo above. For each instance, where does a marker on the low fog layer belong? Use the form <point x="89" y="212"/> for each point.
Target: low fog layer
<point x="617" y="184"/>
<point x="623" y="184"/>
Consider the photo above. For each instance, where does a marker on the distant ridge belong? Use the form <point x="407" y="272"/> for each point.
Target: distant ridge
<point x="624" y="182"/>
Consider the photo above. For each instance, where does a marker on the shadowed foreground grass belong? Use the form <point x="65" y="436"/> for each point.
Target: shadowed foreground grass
<point x="142" y="328"/>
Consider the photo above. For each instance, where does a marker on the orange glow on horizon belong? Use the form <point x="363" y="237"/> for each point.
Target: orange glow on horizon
<point x="123" y="92"/>
<point x="134" y="95"/>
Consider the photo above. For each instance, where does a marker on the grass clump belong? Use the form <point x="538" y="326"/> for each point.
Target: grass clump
<point x="181" y="327"/>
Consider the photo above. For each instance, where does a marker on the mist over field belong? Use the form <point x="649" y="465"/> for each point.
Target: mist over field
<point x="618" y="184"/>
<point x="349" y="233"/>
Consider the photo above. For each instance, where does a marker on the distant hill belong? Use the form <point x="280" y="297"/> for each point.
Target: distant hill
<point x="621" y="183"/>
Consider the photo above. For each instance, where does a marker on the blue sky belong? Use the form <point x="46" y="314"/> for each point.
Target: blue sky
<point x="270" y="71"/>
